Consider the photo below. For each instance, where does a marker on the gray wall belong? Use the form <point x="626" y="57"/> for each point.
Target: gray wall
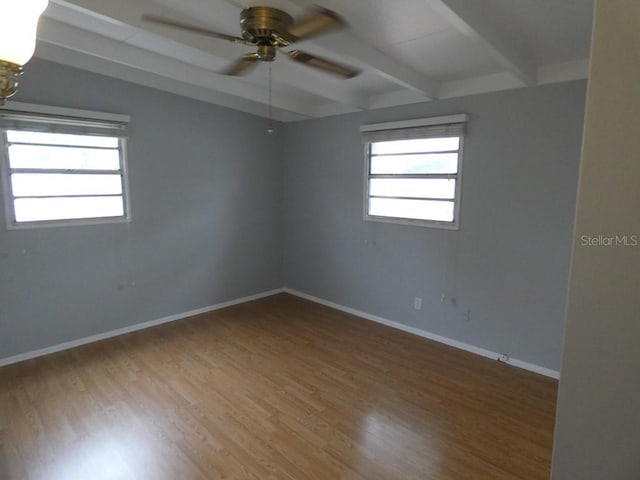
<point x="508" y="264"/>
<point x="598" y="422"/>
<point x="205" y="193"/>
<point x="222" y="210"/>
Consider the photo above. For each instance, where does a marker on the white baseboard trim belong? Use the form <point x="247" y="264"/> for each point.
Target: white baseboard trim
<point x="172" y="318"/>
<point x="431" y="336"/>
<point x="132" y="328"/>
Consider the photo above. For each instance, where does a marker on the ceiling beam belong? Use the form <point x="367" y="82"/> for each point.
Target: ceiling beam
<point x="120" y="20"/>
<point x="395" y="98"/>
<point x="384" y="65"/>
<point x="564" y="72"/>
<point x="84" y="42"/>
<point x="471" y="19"/>
<point x="102" y="66"/>
<point x="313" y="82"/>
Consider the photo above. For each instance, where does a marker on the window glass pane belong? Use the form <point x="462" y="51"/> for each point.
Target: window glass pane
<point x="438" y="163"/>
<point x="61" y="139"/>
<point x="420" y="145"/>
<point x="39" y="209"/>
<point x="53" y="184"/>
<point x="414" y="209"/>
<point x="34" y="156"/>
<point x="413" y="187"/>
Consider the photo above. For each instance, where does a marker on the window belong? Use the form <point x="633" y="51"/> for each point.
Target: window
<point x="62" y="167"/>
<point x="414" y="171"/>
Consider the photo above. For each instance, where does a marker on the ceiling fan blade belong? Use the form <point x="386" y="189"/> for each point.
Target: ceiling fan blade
<point x="320" y="20"/>
<point x="169" y="22"/>
<point x="242" y="65"/>
<point x="323" y="64"/>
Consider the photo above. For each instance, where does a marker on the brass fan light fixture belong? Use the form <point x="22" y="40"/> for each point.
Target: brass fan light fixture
<point x="17" y="42"/>
<point x="270" y="30"/>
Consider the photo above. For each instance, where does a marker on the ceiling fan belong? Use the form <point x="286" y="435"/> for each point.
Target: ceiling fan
<point x="270" y="30"/>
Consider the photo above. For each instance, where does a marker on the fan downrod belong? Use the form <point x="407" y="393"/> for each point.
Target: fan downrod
<point x="267" y="53"/>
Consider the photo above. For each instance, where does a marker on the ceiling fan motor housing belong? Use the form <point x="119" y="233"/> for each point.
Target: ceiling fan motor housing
<point x="264" y="25"/>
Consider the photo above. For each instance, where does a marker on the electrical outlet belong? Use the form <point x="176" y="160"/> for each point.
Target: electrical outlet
<point x="467" y="315"/>
<point x="417" y="303"/>
<point x="504" y="358"/>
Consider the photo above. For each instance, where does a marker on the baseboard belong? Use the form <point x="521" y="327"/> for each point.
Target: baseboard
<point x="133" y="328"/>
<point x="172" y="318"/>
<point x="431" y="336"/>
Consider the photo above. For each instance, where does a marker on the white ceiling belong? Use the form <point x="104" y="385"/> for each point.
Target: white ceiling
<point x="409" y="50"/>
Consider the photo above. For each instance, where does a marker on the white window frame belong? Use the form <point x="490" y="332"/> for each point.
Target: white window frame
<point x="396" y="129"/>
<point x="62" y="120"/>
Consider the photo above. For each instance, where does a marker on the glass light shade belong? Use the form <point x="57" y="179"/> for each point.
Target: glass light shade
<point x="18" y="32"/>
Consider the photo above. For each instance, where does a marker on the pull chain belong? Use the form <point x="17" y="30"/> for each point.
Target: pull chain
<point x="270" y="127"/>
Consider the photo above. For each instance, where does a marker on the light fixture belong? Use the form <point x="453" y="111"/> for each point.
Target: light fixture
<point x="17" y="41"/>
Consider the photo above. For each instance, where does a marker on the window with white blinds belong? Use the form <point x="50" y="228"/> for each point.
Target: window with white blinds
<point x="414" y="171"/>
<point x="63" y="167"/>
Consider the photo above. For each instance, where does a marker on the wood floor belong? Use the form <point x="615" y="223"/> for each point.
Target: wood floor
<point x="279" y="388"/>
